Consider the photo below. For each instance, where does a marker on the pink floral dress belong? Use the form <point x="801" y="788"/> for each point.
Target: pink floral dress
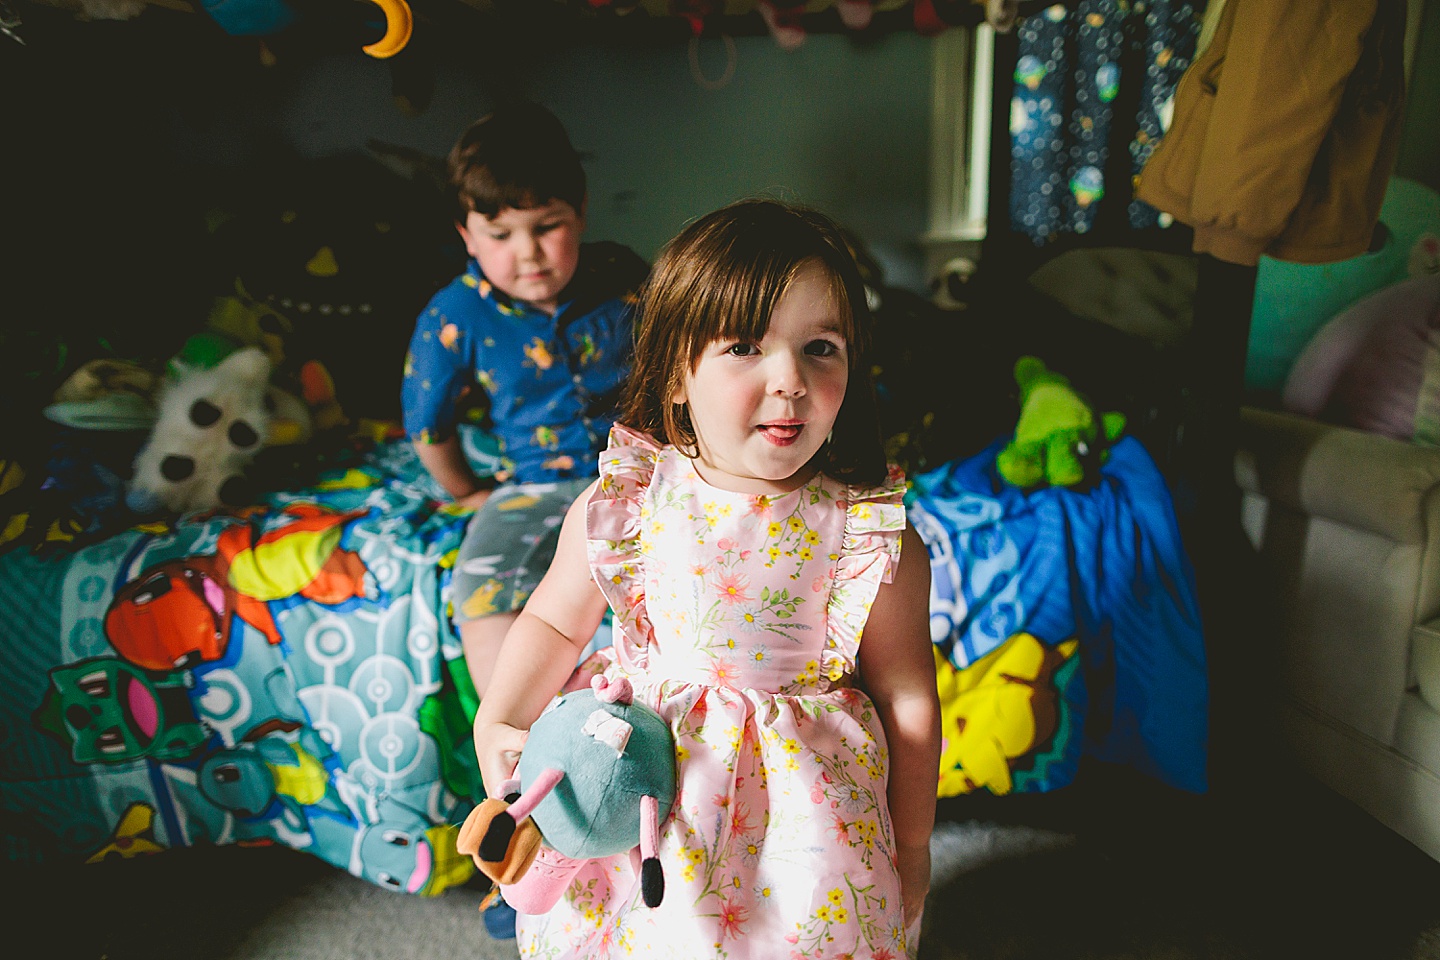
<point x="738" y="618"/>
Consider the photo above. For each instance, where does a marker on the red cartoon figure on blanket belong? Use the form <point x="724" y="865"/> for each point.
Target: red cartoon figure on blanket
<point x="178" y="614"/>
<point x="598" y="778"/>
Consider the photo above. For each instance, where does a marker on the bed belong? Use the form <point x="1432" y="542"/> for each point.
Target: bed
<point x="285" y="674"/>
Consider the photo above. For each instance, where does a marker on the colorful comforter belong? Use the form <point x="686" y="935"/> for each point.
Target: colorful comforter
<point x="287" y="675"/>
<point x="1065" y="625"/>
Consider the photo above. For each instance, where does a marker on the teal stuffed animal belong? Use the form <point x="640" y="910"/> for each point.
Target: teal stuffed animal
<point x="1058" y="435"/>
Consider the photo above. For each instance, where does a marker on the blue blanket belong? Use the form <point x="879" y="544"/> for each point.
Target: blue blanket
<point x="1065" y="624"/>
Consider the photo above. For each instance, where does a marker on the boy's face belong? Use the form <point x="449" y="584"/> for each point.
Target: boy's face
<point x="530" y="254"/>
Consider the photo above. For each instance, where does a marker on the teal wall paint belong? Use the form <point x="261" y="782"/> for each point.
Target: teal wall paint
<point x="836" y="124"/>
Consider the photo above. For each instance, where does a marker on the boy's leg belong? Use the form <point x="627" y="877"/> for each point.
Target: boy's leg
<point x="507" y="549"/>
<point x="482" y="640"/>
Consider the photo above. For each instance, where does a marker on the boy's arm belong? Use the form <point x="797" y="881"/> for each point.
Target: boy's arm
<point x="446" y="462"/>
<point x="540" y="650"/>
<point x="897" y="669"/>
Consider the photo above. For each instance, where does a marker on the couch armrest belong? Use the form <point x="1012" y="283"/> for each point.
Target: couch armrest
<point x="1347" y="524"/>
<point x="1363" y="480"/>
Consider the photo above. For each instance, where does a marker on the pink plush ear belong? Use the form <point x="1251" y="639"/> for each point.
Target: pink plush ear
<point x="618" y="690"/>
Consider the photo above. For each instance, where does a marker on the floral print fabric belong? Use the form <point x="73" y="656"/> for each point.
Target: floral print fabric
<point x="738" y="618"/>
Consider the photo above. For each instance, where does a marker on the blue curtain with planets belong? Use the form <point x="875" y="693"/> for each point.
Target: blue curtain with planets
<point x="1094" y="89"/>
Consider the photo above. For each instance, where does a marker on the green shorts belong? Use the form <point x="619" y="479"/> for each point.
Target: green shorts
<point x="508" y="547"/>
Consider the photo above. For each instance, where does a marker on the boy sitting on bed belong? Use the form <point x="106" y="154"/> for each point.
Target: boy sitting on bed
<point x="539" y="322"/>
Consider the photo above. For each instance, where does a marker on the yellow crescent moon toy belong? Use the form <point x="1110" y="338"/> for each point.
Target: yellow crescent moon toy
<point x="399" y="23"/>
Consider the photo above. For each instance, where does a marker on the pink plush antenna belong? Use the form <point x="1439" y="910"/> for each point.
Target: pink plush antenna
<point x="537" y="791"/>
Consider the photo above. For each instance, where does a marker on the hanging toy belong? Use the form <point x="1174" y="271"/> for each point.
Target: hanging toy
<point x="596" y="778"/>
<point x="399" y="24"/>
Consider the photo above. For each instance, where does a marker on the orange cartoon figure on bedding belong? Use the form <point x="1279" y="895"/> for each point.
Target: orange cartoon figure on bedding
<point x="178" y="614"/>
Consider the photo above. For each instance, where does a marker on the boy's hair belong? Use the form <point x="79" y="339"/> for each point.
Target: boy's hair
<point x="721" y="279"/>
<point x="520" y="157"/>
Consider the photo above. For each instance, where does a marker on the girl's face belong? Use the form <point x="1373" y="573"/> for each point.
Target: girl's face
<point x="761" y="411"/>
<point x="530" y="254"/>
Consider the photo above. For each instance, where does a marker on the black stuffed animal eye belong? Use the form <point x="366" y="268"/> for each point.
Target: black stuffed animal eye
<point x="175" y="468"/>
<point x="235" y="492"/>
<point x="203" y="413"/>
<point x="243" y="435"/>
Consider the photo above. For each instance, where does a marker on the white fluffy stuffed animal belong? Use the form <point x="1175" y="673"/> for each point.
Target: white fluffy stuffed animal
<point x="212" y="423"/>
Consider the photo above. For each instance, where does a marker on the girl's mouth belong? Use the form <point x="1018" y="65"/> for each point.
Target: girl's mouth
<point x="782" y="433"/>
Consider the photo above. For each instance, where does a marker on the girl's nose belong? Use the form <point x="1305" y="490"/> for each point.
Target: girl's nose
<point x="786" y="378"/>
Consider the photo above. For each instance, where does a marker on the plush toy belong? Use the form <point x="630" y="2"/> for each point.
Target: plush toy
<point x="596" y="778"/>
<point x="302" y="392"/>
<point x="212" y="421"/>
<point x="1058" y="437"/>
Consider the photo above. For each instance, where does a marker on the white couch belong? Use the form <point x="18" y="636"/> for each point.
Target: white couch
<point x="1347" y="528"/>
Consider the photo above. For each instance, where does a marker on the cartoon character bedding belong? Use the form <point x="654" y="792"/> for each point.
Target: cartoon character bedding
<point x="1065" y="625"/>
<point x="288" y="674"/>
<point x="283" y="675"/>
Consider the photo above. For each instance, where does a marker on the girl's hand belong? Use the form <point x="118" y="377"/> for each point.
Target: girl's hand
<point x="914" y="867"/>
<point x="497" y="748"/>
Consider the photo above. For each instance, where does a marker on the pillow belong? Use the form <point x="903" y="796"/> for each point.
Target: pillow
<point x="1294" y="300"/>
<point x="1376" y="366"/>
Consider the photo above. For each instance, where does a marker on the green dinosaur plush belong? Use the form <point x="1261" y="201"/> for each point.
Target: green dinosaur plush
<point x="1057" y="435"/>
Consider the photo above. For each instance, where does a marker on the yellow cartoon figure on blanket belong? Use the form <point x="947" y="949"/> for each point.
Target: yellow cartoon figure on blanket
<point x="996" y="711"/>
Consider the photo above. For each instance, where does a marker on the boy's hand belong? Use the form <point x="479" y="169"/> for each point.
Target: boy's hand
<point x="497" y="748"/>
<point x="914" y="868"/>
<point x="474" y="501"/>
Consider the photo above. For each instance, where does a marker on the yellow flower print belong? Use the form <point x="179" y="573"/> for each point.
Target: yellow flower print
<point x="805" y="554"/>
<point x="682" y="752"/>
<point x="796" y="524"/>
<point x="836" y="896"/>
<point x="773" y="530"/>
<point x="840" y="914"/>
<point x="823" y="914"/>
<point x="811" y="537"/>
<point x="449" y="335"/>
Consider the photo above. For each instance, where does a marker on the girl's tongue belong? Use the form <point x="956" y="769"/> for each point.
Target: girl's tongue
<point x="780" y="432"/>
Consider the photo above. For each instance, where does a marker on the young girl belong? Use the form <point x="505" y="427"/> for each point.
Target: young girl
<point x="744" y="531"/>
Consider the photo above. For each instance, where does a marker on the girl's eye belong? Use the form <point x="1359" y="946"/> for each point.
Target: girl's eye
<point x="821" y="348"/>
<point x="500" y="236"/>
<point x="742" y="350"/>
<point x="545" y="228"/>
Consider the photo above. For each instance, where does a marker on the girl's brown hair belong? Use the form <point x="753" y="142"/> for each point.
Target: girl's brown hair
<point x="720" y="279"/>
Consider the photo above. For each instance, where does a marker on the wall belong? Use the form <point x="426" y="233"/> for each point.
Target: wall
<point x="837" y="124"/>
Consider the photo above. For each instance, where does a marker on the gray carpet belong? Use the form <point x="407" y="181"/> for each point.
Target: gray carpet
<point x="1108" y="871"/>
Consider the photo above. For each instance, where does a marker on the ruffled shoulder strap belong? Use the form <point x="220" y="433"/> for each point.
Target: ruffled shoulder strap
<point x="612" y="525"/>
<point x="874" y="521"/>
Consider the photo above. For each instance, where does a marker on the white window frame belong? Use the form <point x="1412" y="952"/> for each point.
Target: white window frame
<point x="962" y="68"/>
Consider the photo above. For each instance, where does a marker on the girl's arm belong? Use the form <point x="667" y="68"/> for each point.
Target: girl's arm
<point x="897" y="669"/>
<point x="540" y="651"/>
